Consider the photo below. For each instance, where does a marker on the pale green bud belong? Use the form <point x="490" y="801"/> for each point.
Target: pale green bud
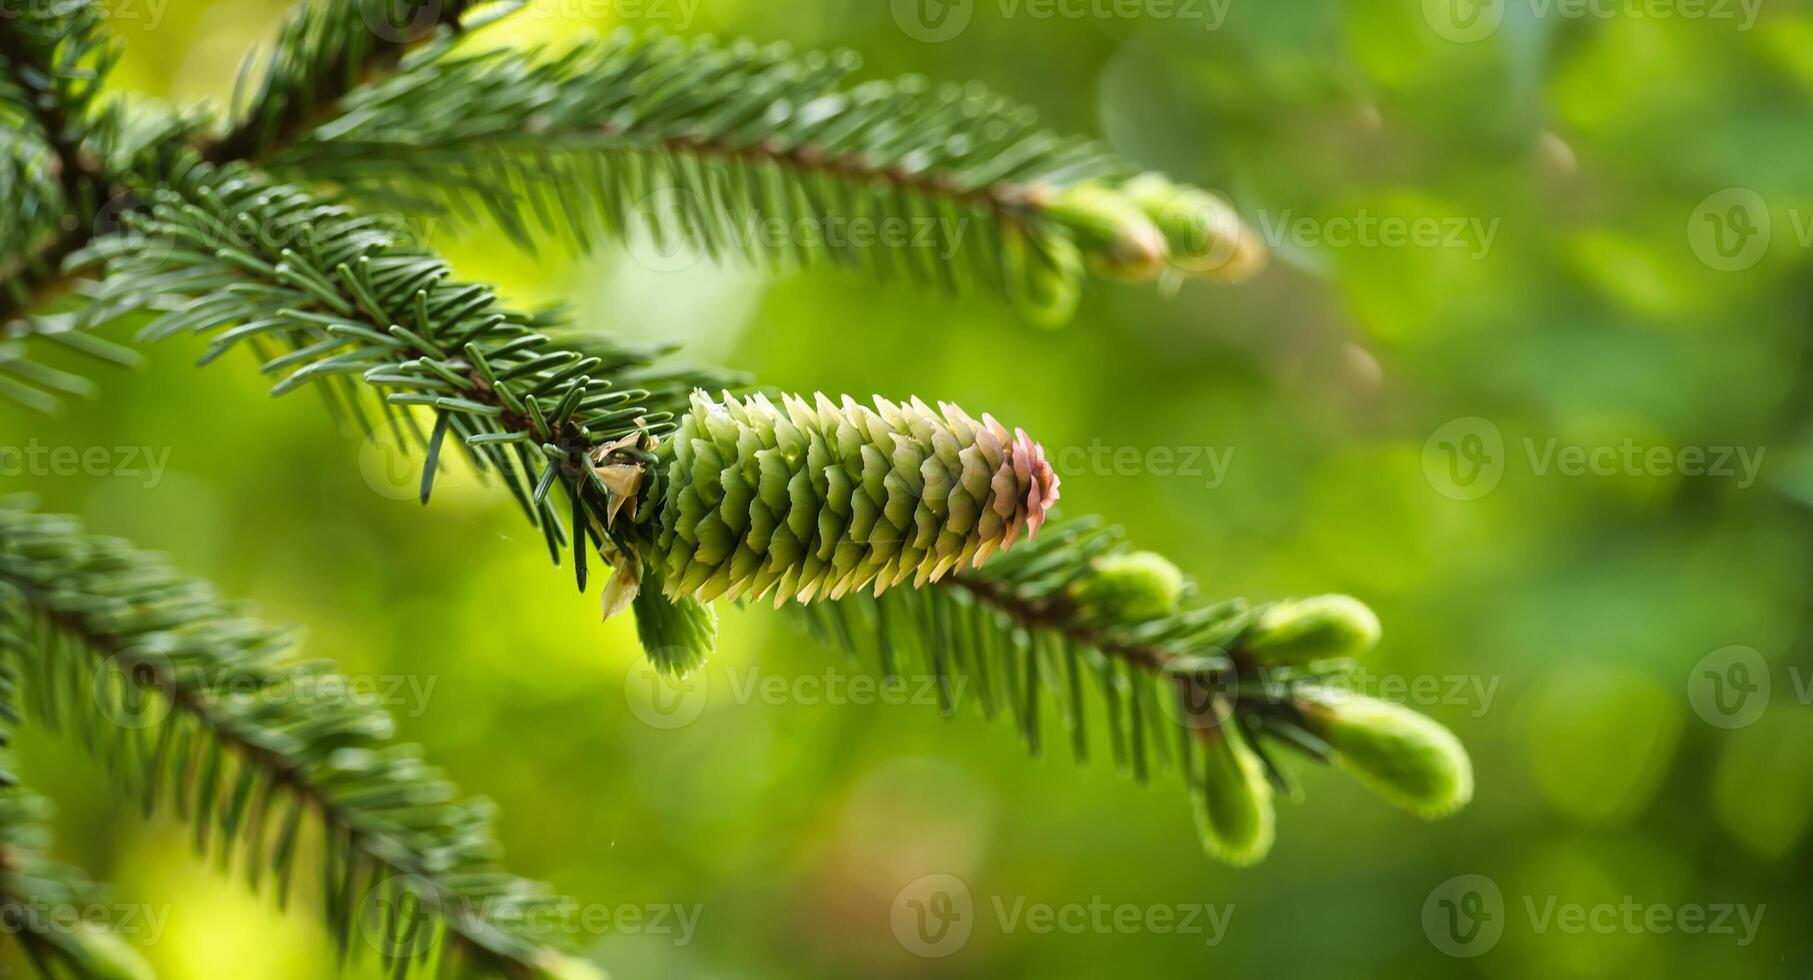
<point x="1134" y="586"/>
<point x="1203" y="234"/>
<point x="1115" y="235"/>
<point x="1319" y="628"/>
<point x="1234" y="811"/>
<point x="1403" y="756"/>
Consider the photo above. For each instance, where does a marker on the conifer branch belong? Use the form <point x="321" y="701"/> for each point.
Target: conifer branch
<point x="325" y="50"/>
<point x="749" y="152"/>
<point x="1200" y="689"/>
<point x="53" y="59"/>
<point x="57" y="56"/>
<point x="687" y="499"/>
<point x="60" y="172"/>
<point x="35" y="203"/>
<point x="356" y="305"/>
<point x="41" y="900"/>
<point x="1207" y="686"/>
<point x="191" y="704"/>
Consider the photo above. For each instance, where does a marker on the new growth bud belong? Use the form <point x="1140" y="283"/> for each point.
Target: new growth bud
<point x="1234" y="808"/>
<point x="1403" y="756"/>
<point x="1134" y="586"/>
<point x="1202" y="232"/>
<point x="1116" y="236"/>
<point x="1320" y="628"/>
<point x="677" y="634"/>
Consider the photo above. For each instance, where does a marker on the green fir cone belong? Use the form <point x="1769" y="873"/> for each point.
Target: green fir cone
<point x="1130" y="586"/>
<point x="1322" y="627"/>
<point x="817" y="499"/>
<point x="1234" y="806"/>
<point x="1404" y="756"/>
<point x="1203" y="234"/>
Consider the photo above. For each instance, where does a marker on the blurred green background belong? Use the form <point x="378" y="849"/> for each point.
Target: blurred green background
<point x="1619" y="225"/>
